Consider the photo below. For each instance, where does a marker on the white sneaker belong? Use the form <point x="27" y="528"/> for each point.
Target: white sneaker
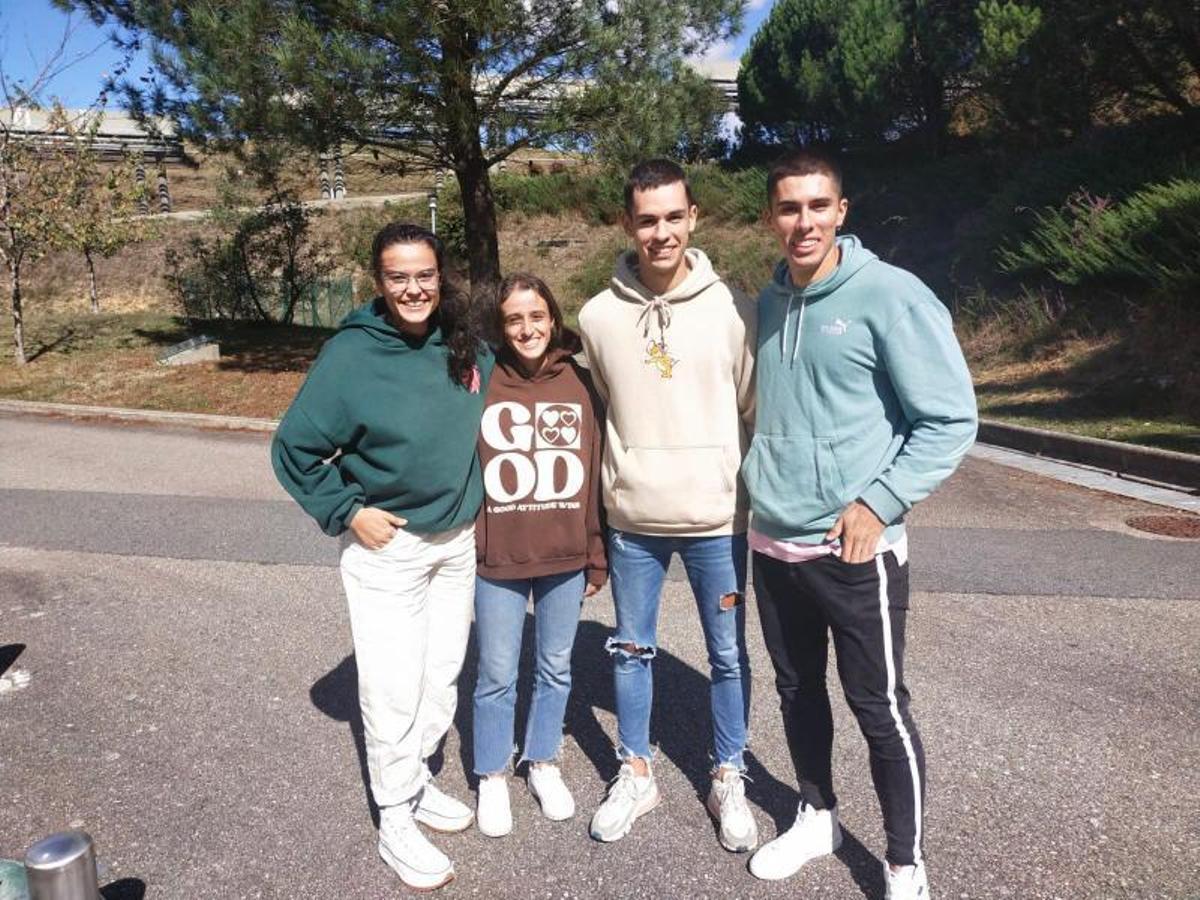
<point x="908" y="883"/>
<point x="629" y="797"/>
<point x="493" y="815"/>
<point x="814" y="833"/>
<point x="439" y="810"/>
<point x="727" y="803"/>
<point x="419" y="864"/>
<point x="546" y="784"/>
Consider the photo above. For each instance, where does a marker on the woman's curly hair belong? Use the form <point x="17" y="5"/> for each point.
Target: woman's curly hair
<point x="453" y="313"/>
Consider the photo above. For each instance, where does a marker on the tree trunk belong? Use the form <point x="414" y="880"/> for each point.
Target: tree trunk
<point x="14" y="286"/>
<point x="479" y="212"/>
<point x="462" y="122"/>
<point x="87" y="254"/>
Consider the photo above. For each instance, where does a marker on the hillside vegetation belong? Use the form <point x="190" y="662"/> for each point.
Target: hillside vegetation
<point x="1071" y="272"/>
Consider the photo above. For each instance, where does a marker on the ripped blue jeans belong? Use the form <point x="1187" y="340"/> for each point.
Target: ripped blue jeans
<point x="716" y="568"/>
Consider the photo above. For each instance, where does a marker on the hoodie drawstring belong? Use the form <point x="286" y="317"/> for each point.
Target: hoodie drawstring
<point x="663" y="308"/>
<point x="799" y="330"/>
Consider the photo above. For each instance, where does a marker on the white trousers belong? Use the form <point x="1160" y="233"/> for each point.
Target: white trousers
<point x="410" y="614"/>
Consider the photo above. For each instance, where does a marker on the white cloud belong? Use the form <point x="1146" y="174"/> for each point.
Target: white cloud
<point x="755" y="5"/>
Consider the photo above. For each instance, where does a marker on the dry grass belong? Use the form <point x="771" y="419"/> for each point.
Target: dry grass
<point x="110" y="360"/>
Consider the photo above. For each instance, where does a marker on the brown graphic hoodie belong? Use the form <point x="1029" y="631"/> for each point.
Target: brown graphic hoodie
<point x="540" y="445"/>
<point x="676" y="372"/>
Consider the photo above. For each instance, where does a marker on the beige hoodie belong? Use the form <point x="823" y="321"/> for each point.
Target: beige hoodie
<point x="677" y="374"/>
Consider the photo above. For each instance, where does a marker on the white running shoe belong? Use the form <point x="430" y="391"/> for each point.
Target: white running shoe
<point x="907" y="883"/>
<point x="440" y="811"/>
<point x="629" y="797"/>
<point x="493" y="815"/>
<point x="419" y="864"/>
<point x="814" y="833"/>
<point x="727" y="803"/>
<point x="546" y="784"/>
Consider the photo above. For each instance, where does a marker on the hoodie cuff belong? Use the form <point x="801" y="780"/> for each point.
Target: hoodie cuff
<point x="886" y="505"/>
<point x="354" y="508"/>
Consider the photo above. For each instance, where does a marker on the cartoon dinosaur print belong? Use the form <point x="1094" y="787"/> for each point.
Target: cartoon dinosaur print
<point x="658" y="357"/>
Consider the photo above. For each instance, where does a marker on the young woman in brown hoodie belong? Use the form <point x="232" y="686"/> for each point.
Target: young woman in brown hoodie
<point x="539" y="533"/>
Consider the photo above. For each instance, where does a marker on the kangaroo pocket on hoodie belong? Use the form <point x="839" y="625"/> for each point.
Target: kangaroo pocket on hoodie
<point x="675" y="486"/>
<point x="795" y="480"/>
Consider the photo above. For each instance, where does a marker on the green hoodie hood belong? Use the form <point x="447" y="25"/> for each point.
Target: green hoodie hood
<point x="402" y="432"/>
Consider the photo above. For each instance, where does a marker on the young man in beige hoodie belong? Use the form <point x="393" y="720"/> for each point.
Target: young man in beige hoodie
<point x="670" y="348"/>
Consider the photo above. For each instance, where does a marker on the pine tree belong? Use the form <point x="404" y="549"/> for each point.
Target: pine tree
<point x="460" y="84"/>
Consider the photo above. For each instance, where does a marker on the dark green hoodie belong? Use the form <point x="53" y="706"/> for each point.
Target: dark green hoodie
<point x="406" y="433"/>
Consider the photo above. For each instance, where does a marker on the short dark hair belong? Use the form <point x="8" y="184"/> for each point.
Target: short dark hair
<point x="521" y="281"/>
<point x="654" y="173"/>
<point x="804" y="161"/>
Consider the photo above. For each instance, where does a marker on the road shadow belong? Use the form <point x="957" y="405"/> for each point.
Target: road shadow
<point x="681" y="727"/>
<point x="124" y="889"/>
<point x="336" y="695"/>
<point x="865" y="867"/>
<point x="9" y="654"/>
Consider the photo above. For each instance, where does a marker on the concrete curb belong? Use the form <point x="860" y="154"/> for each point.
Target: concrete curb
<point x="1168" y="467"/>
<point x="141" y="416"/>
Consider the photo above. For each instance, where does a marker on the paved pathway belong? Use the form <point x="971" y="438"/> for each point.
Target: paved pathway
<point x="190" y="697"/>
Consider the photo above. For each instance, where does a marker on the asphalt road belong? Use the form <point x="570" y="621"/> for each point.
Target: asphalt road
<point x="191" y="701"/>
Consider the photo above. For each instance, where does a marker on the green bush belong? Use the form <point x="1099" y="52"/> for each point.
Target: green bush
<point x="596" y="196"/>
<point x="729" y="196"/>
<point x="1152" y="237"/>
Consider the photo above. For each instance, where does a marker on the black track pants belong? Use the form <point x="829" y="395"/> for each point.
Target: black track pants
<point x="864" y="607"/>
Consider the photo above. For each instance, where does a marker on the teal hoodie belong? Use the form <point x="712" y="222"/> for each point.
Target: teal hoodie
<point x="405" y="432"/>
<point x="863" y="394"/>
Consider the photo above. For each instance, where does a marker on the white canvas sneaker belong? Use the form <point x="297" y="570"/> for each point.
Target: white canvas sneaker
<point x="727" y="803"/>
<point x="439" y="811"/>
<point x="814" y="833"/>
<point x="906" y="883"/>
<point x="493" y="813"/>
<point x="630" y="797"/>
<point x="419" y="864"/>
<point x="546" y="784"/>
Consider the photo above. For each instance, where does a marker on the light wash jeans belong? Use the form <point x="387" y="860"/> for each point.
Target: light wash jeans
<point x="716" y="568"/>
<point x="410" y="613"/>
<point x="499" y="621"/>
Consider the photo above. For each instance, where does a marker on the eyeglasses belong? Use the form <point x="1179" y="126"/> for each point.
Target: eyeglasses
<point x="426" y="280"/>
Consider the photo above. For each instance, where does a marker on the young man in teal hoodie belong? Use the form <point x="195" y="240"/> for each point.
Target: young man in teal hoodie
<point x="865" y="406"/>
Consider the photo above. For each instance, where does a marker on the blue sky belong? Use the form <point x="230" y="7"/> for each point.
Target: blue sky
<point x="30" y="31"/>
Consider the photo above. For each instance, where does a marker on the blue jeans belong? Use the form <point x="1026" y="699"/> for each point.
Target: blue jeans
<point x="716" y="568"/>
<point x="499" y="621"/>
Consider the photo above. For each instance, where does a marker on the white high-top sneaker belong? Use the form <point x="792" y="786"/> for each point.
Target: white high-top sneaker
<point x="906" y="883"/>
<point x="439" y="811"/>
<point x="419" y="864"/>
<point x="815" y="832"/>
